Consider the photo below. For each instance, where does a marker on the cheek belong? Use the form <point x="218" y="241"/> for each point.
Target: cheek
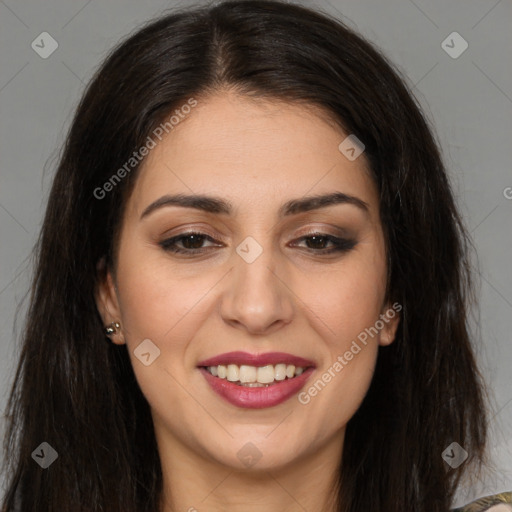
<point x="337" y="393"/>
<point x="350" y="309"/>
<point x="349" y="299"/>
<point x="156" y="301"/>
<point x="348" y="305"/>
<point x="158" y="305"/>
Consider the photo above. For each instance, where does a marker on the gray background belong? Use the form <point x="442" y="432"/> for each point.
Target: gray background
<point x="468" y="99"/>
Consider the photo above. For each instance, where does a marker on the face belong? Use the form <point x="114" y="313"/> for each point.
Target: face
<point x="297" y="284"/>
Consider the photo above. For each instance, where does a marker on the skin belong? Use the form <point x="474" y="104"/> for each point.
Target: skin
<point x="290" y="299"/>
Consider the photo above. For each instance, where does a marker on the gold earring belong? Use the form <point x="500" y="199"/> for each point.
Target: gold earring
<point x="112" y="328"/>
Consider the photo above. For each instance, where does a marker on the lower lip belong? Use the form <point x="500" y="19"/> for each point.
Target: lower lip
<point x="257" y="398"/>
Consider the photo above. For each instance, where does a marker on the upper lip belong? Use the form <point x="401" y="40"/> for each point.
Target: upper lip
<point x="245" y="358"/>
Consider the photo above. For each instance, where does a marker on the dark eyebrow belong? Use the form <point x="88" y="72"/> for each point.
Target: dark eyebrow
<point x="218" y="205"/>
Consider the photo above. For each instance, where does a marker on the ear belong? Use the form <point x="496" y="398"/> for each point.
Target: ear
<point x="390" y="317"/>
<point x="107" y="300"/>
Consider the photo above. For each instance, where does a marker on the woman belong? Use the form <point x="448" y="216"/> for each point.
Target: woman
<point x="252" y="284"/>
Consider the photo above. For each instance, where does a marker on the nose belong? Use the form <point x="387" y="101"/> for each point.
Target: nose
<point x="257" y="297"/>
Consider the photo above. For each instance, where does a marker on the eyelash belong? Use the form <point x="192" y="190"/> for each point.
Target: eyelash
<point x="342" y="245"/>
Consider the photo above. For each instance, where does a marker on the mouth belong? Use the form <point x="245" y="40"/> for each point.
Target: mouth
<point x="256" y="376"/>
<point x="256" y="381"/>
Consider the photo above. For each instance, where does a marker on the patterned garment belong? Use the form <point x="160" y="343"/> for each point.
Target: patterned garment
<point x="496" y="503"/>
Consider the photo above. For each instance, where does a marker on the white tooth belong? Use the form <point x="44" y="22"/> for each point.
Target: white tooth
<point x="266" y="374"/>
<point x="221" y="371"/>
<point x="290" y="371"/>
<point x="251" y="374"/>
<point x="247" y="373"/>
<point x="233" y="372"/>
<point x="280" y="372"/>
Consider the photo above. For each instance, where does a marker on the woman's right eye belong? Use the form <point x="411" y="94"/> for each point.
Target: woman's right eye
<point x="190" y="241"/>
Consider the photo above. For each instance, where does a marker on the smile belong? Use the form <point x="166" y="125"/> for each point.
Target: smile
<point x="256" y="381"/>
<point x="253" y="376"/>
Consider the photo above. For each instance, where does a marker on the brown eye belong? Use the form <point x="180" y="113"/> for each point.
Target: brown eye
<point x="191" y="243"/>
<point x="317" y="241"/>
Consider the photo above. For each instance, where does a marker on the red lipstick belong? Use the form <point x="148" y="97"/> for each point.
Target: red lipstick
<point x="240" y="358"/>
<point x="257" y="397"/>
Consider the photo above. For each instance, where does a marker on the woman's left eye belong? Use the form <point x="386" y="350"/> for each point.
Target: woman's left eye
<point x="192" y="243"/>
<point x="339" y="244"/>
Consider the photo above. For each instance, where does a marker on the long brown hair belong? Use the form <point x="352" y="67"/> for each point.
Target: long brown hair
<point x="78" y="392"/>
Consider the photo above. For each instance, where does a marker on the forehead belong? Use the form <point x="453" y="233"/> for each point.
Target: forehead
<point x="254" y="153"/>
